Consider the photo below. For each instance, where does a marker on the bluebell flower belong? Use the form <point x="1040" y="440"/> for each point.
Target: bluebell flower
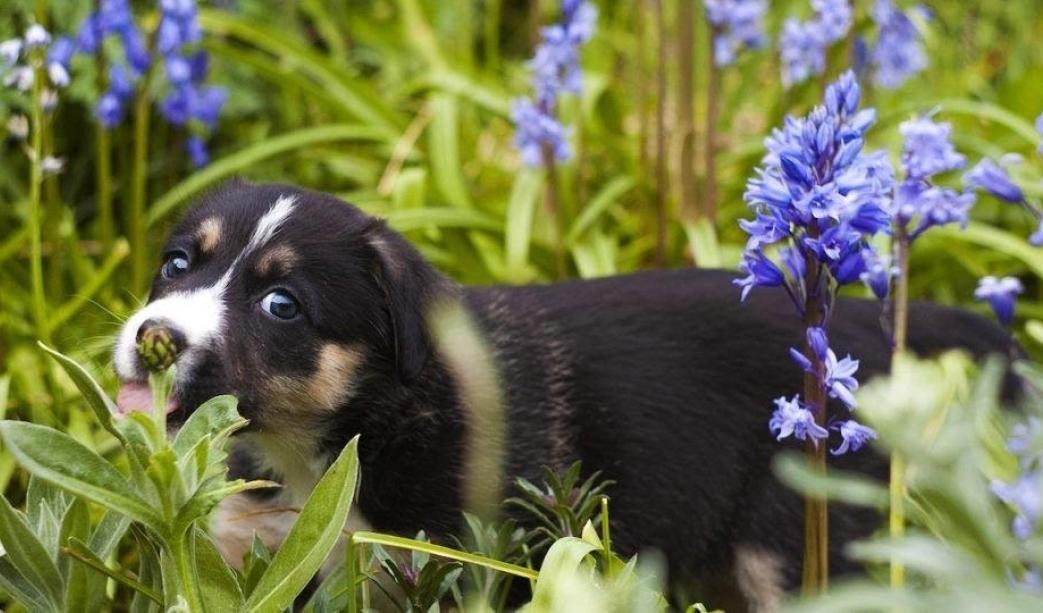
<point x="1001" y="294"/>
<point x="791" y="418"/>
<point x="930" y="206"/>
<point x="555" y="70"/>
<point x="853" y="436"/>
<point x="737" y="25"/>
<point x="802" y="49"/>
<point x="1025" y="495"/>
<point x="992" y="178"/>
<point x="1039" y="128"/>
<point x="898" y="53"/>
<point x="120" y="82"/>
<point x="36" y="36"/>
<point x="109" y="110"/>
<point x="90" y="34"/>
<point x="878" y="274"/>
<point x="834" y="18"/>
<point x="1037" y="237"/>
<point x="927" y="149"/>
<point x="759" y="271"/>
<point x="840" y="378"/>
<point x="197" y="151"/>
<point x="535" y="129"/>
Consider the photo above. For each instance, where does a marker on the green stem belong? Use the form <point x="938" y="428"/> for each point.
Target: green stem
<point x="815" y="577"/>
<point x="139" y="178"/>
<point x="896" y="516"/>
<point x="35" y="188"/>
<point x="690" y="208"/>
<point x="660" y="141"/>
<point x="710" y="155"/>
<point x="103" y="172"/>
<point x="186" y="575"/>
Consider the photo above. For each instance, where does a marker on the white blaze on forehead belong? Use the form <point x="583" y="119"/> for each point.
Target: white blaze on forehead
<point x="271" y="221"/>
<point x="197" y="313"/>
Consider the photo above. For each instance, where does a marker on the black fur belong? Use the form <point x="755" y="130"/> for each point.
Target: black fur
<point x="662" y="380"/>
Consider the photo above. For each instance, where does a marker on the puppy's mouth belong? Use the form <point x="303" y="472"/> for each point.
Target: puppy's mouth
<point x="136" y="396"/>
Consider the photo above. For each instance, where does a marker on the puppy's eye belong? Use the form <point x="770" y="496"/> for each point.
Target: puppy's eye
<point x="280" y="304"/>
<point x="175" y="266"/>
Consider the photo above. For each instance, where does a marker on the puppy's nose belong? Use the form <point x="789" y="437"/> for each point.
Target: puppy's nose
<point x="159" y="343"/>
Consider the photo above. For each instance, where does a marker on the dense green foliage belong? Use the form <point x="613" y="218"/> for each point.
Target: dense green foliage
<point x="402" y="108"/>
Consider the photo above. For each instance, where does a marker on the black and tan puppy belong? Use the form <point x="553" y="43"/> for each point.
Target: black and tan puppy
<point x="312" y="314"/>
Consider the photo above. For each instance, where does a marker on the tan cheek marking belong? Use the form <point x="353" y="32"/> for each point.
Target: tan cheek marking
<point x="280" y="259"/>
<point x="330" y="386"/>
<point x="209" y="234"/>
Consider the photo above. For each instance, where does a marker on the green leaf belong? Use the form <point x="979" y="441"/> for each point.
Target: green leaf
<point x="998" y="240"/>
<point x="218" y="586"/>
<point x="28" y="555"/>
<point x="563" y="559"/>
<point x="58" y="458"/>
<point x="92" y="392"/>
<point x="313" y="536"/>
<point x="521" y="206"/>
<point x="76" y="525"/>
<point x="216" y="415"/>
<point x="19" y="588"/>
<point x="79" y="552"/>
<point x="849" y="487"/>
<point x="249" y="156"/>
<point x="444" y="154"/>
<point x="598" y="205"/>
<point x="374" y="538"/>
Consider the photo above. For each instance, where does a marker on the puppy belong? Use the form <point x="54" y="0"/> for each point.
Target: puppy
<point x="312" y="313"/>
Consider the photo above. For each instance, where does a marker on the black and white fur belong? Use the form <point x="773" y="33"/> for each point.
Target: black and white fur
<point x="661" y="380"/>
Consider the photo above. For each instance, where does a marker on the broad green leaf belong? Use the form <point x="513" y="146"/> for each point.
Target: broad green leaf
<point x="218" y="586"/>
<point x="702" y="239"/>
<point x="521" y="206"/>
<point x="563" y="559"/>
<point x="374" y="538"/>
<point x="313" y="536"/>
<point x="444" y="151"/>
<point x="249" y="156"/>
<point x="848" y="487"/>
<point x="28" y="555"/>
<point x="82" y="555"/>
<point x="442" y="217"/>
<point x="19" y="588"/>
<point x="56" y="457"/>
<point x="598" y="205"/>
<point x="92" y="392"/>
<point x="218" y="414"/>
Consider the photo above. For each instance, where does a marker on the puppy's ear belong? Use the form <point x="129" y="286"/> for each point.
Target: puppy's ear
<point x="410" y="286"/>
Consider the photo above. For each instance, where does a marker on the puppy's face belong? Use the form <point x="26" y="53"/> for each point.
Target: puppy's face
<point x="285" y="298"/>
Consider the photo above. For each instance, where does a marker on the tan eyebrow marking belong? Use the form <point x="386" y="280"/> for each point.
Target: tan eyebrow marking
<point x="279" y="259"/>
<point x="209" y="234"/>
<point x="332" y="384"/>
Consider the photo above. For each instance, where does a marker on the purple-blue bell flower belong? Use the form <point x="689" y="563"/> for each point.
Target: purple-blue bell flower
<point x="737" y="25"/>
<point x="199" y="62"/>
<point x="179" y="72"/>
<point x="818" y="342"/>
<point x="109" y="109"/>
<point x="927" y="149"/>
<point x="120" y="82"/>
<point x="115" y="16"/>
<point x="791" y="418"/>
<point x="794" y="261"/>
<point x="535" y="129"/>
<point x="208" y="103"/>
<point x="197" y="151"/>
<point x="759" y="271"/>
<point x="898" y="53"/>
<point x="1036" y="238"/>
<point x="854" y="436"/>
<point x="834" y="18"/>
<point x="61" y="51"/>
<point x="90" y="34"/>
<point x="802" y="50"/>
<point x="840" y="378"/>
<point x="1039" y="128"/>
<point x="1001" y="294"/>
<point x="1025" y="495"/>
<point x="134" y="48"/>
<point x="878" y="273"/>
<point x="992" y="178"/>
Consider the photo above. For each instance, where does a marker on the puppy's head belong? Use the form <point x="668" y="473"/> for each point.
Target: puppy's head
<point x="285" y="298"/>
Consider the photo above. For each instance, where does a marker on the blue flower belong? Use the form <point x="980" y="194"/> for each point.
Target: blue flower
<point x="1001" y="295"/>
<point x="535" y="129"/>
<point x="802" y="50"/>
<point x="834" y="18"/>
<point x="840" y="378"/>
<point x="991" y="177"/>
<point x="854" y="435"/>
<point x="898" y="53"/>
<point x="1039" y="128"/>
<point x="555" y="70"/>
<point x="927" y="149"/>
<point x="760" y="271"/>
<point x="878" y="274"/>
<point x="1025" y="495"/>
<point x="120" y="82"/>
<point x="737" y="25"/>
<point x="791" y="418"/>
<point x="197" y="151"/>
<point x="1037" y="237"/>
<point x="109" y="109"/>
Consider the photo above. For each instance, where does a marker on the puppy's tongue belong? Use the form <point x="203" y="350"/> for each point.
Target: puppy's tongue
<point x="138" y="397"/>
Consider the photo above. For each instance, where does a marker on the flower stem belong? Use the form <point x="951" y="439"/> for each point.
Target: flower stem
<point x="103" y="172"/>
<point x="139" y="179"/>
<point x="815" y="577"/>
<point x="710" y="135"/>
<point x="896" y="517"/>
<point x="690" y="208"/>
<point x="554" y="209"/>
<point x="39" y="298"/>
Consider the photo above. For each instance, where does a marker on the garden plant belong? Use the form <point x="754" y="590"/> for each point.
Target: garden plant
<point x="883" y="149"/>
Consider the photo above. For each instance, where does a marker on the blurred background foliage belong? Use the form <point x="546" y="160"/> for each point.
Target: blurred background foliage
<point x="401" y="107"/>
